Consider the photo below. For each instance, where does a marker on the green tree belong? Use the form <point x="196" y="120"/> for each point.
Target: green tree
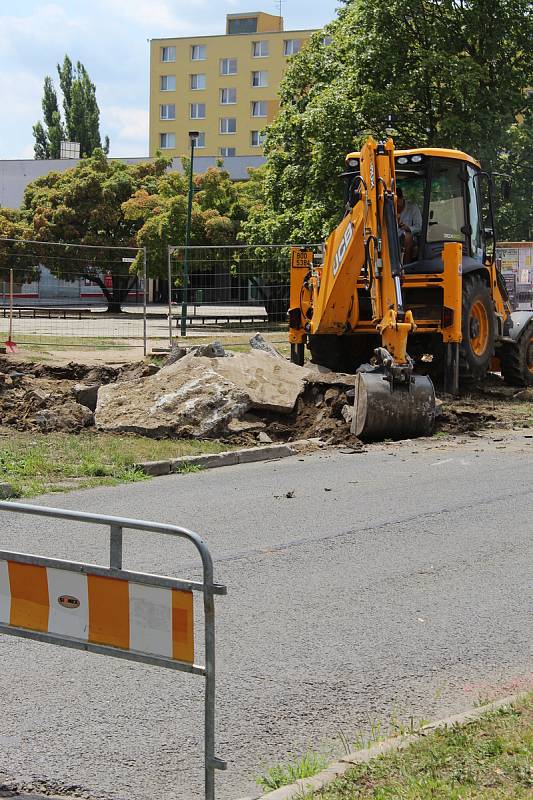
<point x="15" y="255"/>
<point x="47" y="139"/>
<point x="108" y="203"/>
<point x="217" y="213"/>
<point x="84" y="206"/>
<point x="81" y="114"/>
<point x="515" y="216"/>
<point x="451" y="71"/>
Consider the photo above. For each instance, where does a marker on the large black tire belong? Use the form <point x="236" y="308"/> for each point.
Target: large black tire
<point x="517" y="359"/>
<point x="342" y="353"/>
<point x="477" y="348"/>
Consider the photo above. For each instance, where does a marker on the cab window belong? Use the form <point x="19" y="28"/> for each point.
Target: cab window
<point x="446" y="208"/>
<point x="473" y="211"/>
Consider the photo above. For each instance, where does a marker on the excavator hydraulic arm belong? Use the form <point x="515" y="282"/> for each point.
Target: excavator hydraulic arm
<point x="390" y="400"/>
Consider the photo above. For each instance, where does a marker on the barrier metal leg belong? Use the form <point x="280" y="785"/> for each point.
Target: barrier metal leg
<point x="212" y="763"/>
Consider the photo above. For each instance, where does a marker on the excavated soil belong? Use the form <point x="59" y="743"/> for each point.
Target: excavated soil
<point x="45" y="398"/>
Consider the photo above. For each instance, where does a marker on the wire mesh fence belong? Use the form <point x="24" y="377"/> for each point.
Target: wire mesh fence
<point x="60" y="295"/>
<point x="232" y="287"/>
<point x="86" y="297"/>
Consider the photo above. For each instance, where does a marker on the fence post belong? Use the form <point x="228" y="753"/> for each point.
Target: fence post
<point x="145" y="282"/>
<point x="170" y="251"/>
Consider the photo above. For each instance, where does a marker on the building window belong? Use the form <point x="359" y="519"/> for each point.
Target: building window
<point x="259" y="108"/>
<point x="198" y="81"/>
<point x="168" y="54"/>
<point x="227" y="152"/>
<point x="228" y="66"/>
<point x="167" y="111"/>
<point x="291" y="46"/>
<point x="257" y="139"/>
<point x="200" y="139"/>
<point x="168" y="83"/>
<point x="242" y="25"/>
<point x="259" y="78"/>
<point x="197" y="111"/>
<point x="327" y="40"/>
<point x="260" y="49"/>
<point x="198" y="52"/>
<point x="167" y="141"/>
<point x="228" y="96"/>
<point x="228" y="125"/>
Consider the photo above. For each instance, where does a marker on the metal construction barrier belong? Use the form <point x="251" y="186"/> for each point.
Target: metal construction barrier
<point x="111" y="611"/>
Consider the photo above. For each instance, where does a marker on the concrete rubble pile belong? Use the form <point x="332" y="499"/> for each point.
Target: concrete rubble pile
<point x="206" y="392"/>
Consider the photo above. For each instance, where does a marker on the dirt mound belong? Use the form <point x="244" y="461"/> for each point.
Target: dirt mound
<point x="46" y="398"/>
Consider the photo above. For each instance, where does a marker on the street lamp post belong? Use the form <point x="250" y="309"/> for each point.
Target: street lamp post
<point x="193" y="135"/>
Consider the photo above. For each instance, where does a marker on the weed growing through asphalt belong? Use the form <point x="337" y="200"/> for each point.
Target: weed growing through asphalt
<point x="186" y="469"/>
<point x="283" y="774"/>
<point x="482" y="700"/>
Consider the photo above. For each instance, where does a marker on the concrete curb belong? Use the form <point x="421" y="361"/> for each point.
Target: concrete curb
<point x="6" y="491"/>
<point x="394" y="744"/>
<point x="247" y="455"/>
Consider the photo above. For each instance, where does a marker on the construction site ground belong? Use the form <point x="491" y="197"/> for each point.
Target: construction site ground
<point x="48" y="441"/>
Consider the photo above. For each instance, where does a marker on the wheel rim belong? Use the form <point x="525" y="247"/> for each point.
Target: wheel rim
<point x="529" y="355"/>
<point x="479" y="328"/>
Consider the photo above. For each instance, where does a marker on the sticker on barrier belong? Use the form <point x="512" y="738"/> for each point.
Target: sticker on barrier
<point x="111" y="611"/>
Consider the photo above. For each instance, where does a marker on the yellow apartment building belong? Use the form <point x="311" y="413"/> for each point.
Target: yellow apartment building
<point x="225" y="87"/>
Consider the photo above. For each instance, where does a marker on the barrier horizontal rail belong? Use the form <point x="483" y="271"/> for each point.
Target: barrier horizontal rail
<point x="111" y="611"/>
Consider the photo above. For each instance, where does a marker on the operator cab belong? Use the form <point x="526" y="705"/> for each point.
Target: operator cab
<point x="445" y="186"/>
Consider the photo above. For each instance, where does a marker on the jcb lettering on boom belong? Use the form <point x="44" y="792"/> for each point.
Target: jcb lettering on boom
<point x="342" y="248"/>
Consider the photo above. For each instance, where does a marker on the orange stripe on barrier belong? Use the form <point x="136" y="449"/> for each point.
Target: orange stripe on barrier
<point x="30" y="606"/>
<point x="182" y="626"/>
<point x="109" y="616"/>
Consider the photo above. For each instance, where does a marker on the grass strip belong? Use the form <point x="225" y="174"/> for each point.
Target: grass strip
<point x="34" y="463"/>
<point x="487" y="759"/>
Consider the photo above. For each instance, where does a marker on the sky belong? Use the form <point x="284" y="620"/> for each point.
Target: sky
<point x="110" y="38"/>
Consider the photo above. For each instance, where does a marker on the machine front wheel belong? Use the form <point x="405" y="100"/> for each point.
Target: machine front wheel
<point x="477" y="346"/>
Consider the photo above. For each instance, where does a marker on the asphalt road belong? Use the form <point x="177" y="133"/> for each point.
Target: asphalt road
<point x="393" y="583"/>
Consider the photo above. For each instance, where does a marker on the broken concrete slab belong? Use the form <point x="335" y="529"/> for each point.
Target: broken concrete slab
<point x="199" y="396"/>
<point x="86" y="394"/>
<point x="257" y="342"/>
<point x="248" y="423"/>
<point x="184" y="399"/>
<point x="175" y="354"/>
<point x="212" y="350"/>
<point x="68" y="416"/>
<point x="319" y="374"/>
<point x="272" y="384"/>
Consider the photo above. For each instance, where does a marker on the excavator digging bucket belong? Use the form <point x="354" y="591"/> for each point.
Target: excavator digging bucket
<point x="388" y="410"/>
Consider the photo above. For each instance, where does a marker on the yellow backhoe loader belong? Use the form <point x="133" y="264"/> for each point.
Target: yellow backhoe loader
<point x="403" y="305"/>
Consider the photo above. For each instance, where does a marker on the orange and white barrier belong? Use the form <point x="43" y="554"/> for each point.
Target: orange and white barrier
<point x="102" y="610"/>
